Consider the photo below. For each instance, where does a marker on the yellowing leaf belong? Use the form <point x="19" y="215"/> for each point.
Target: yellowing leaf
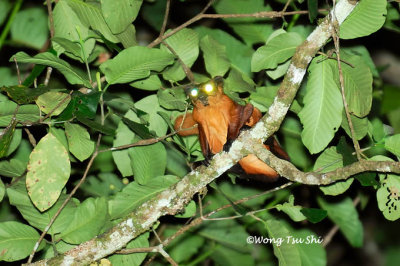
<point x="48" y="171"/>
<point x="50" y="100"/>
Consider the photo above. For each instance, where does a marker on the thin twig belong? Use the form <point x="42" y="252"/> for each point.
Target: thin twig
<point x="89" y="165"/>
<point x="201" y="15"/>
<point x="52" y="32"/>
<point x="184" y="25"/>
<point x="18" y="73"/>
<point x="286" y="6"/>
<point x="55" y="108"/>
<point x="31" y="138"/>
<point x="164" y="25"/>
<point x="186" y="69"/>
<point x="48" y="75"/>
<point x="335" y="36"/>
<point x="144" y="142"/>
<point x="328" y="237"/>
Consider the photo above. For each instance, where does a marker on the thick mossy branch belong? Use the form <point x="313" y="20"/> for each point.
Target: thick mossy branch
<point x="173" y="200"/>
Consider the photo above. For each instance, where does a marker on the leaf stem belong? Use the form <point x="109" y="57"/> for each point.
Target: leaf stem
<point x="7" y="27"/>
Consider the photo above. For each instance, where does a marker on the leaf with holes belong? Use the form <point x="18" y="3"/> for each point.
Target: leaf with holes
<point x="50" y="100"/>
<point x="48" y="171"/>
<point x="388" y="197"/>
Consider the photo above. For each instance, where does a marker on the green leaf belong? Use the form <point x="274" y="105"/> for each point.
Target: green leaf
<point x="119" y="14"/>
<point x="8" y="78"/>
<point x="152" y="83"/>
<point x="393" y="15"/>
<point x="5" y="7"/>
<point x="128" y="37"/>
<point x="153" y="13"/>
<point x="66" y="25"/>
<point x="71" y="47"/>
<point x="19" y="198"/>
<point x="238" y="53"/>
<point x="16" y="166"/>
<point x="148" y="162"/>
<point x="392" y="144"/>
<point x="48" y="102"/>
<point x="312" y="9"/>
<point x="88" y="14"/>
<point x="322" y="112"/>
<point x="311" y="252"/>
<point x="360" y="125"/>
<point x="294" y="211"/>
<point x="357" y="84"/>
<point x="252" y="30"/>
<point x="89" y="217"/>
<point x="96" y="126"/>
<point x="287" y="253"/>
<point x="185" y="43"/>
<point x="133" y="259"/>
<point x="172" y="99"/>
<point x="73" y="75"/>
<point x="29" y="28"/>
<point x="238" y="81"/>
<point x="29" y="112"/>
<point x="79" y="142"/>
<point x="314" y="215"/>
<point x="2" y="190"/>
<point x="23" y="95"/>
<point x="215" y="58"/>
<point x="190" y="210"/>
<point x="121" y="158"/>
<point x="135" y="63"/>
<point x="48" y="171"/>
<point x="102" y="185"/>
<point x="279" y="71"/>
<point x="81" y="106"/>
<point x="6" y="137"/>
<point x="388" y="197"/>
<point x="362" y="51"/>
<point x="17" y="240"/>
<point x="134" y="194"/>
<point x="277" y="51"/>
<point x="367" y="17"/>
<point x="264" y="96"/>
<point x="345" y="215"/>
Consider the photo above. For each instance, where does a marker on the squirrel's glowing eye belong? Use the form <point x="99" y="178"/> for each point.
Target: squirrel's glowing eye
<point x="208" y="87"/>
<point x="194" y="92"/>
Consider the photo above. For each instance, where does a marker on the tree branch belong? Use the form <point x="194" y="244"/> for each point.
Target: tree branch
<point x="173" y="199"/>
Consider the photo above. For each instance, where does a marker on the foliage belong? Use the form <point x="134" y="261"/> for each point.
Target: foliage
<point x="107" y="90"/>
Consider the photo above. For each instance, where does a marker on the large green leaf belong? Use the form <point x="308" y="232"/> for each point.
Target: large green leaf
<point x="360" y="125"/>
<point x="392" y="144"/>
<point x="79" y="142"/>
<point x="29" y="28"/>
<point x="5" y="6"/>
<point x="19" y="198"/>
<point x="238" y="53"/>
<point x="135" y="63"/>
<point x="311" y="251"/>
<point x="48" y="171"/>
<point x="88" y="219"/>
<point x="215" y="58"/>
<point x="345" y="215"/>
<point x="250" y="29"/>
<point x="148" y="162"/>
<point x="17" y="240"/>
<point x="172" y="99"/>
<point x="357" y="84"/>
<point x="23" y="95"/>
<point x="134" y="194"/>
<point x="66" y="25"/>
<point x="120" y="13"/>
<point x="90" y="15"/>
<point x="367" y="17"/>
<point x="185" y="43"/>
<point x="323" y="105"/>
<point x="286" y="252"/>
<point x="29" y="112"/>
<point x="152" y="83"/>
<point x="72" y="74"/>
<point x="6" y="137"/>
<point x="16" y="165"/>
<point x="276" y="51"/>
